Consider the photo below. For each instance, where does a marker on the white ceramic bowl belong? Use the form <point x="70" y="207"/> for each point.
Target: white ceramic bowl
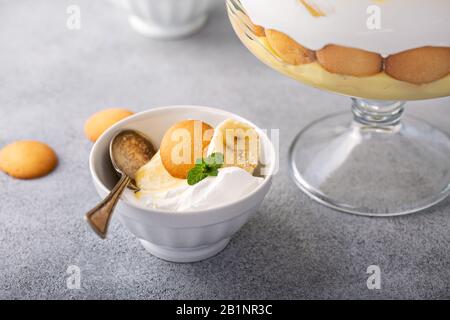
<point x="178" y="236"/>
<point x="167" y="19"/>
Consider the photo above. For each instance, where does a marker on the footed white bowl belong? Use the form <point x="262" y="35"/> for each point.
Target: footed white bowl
<point x="178" y="236"/>
<point x="167" y="19"/>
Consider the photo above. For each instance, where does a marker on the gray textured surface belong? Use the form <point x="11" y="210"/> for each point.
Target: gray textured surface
<point x="52" y="79"/>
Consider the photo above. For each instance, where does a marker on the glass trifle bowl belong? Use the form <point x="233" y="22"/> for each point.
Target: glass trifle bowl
<point x="381" y="54"/>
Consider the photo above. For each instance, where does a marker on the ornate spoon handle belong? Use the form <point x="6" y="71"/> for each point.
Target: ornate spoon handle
<point x="99" y="217"/>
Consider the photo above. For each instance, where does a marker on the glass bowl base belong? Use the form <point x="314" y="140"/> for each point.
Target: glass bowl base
<point x="371" y="170"/>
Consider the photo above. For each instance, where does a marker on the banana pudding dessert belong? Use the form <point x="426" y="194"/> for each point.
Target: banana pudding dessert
<point x="381" y="50"/>
<point x="198" y="167"/>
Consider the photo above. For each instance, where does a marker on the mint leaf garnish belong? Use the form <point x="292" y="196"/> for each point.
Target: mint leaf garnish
<point x="204" y="168"/>
<point x="215" y="160"/>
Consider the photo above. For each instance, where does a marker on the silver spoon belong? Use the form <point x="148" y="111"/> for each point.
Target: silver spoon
<point x="129" y="150"/>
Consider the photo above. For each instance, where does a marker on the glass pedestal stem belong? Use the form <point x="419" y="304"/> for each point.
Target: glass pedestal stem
<point x="378" y="114"/>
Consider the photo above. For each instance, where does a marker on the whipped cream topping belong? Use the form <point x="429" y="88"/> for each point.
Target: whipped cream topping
<point x="232" y="183"/>
<point x="404" y="24"/>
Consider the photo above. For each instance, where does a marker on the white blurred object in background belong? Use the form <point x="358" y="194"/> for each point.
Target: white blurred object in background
<point x="167" y="19"/>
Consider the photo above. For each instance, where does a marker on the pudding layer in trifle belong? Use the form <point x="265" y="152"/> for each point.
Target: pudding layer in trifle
<point x="385" y="49"/>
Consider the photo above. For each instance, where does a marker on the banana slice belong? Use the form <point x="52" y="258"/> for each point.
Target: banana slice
<point x="154" y="178"/>
<point x="238" y="142"/>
